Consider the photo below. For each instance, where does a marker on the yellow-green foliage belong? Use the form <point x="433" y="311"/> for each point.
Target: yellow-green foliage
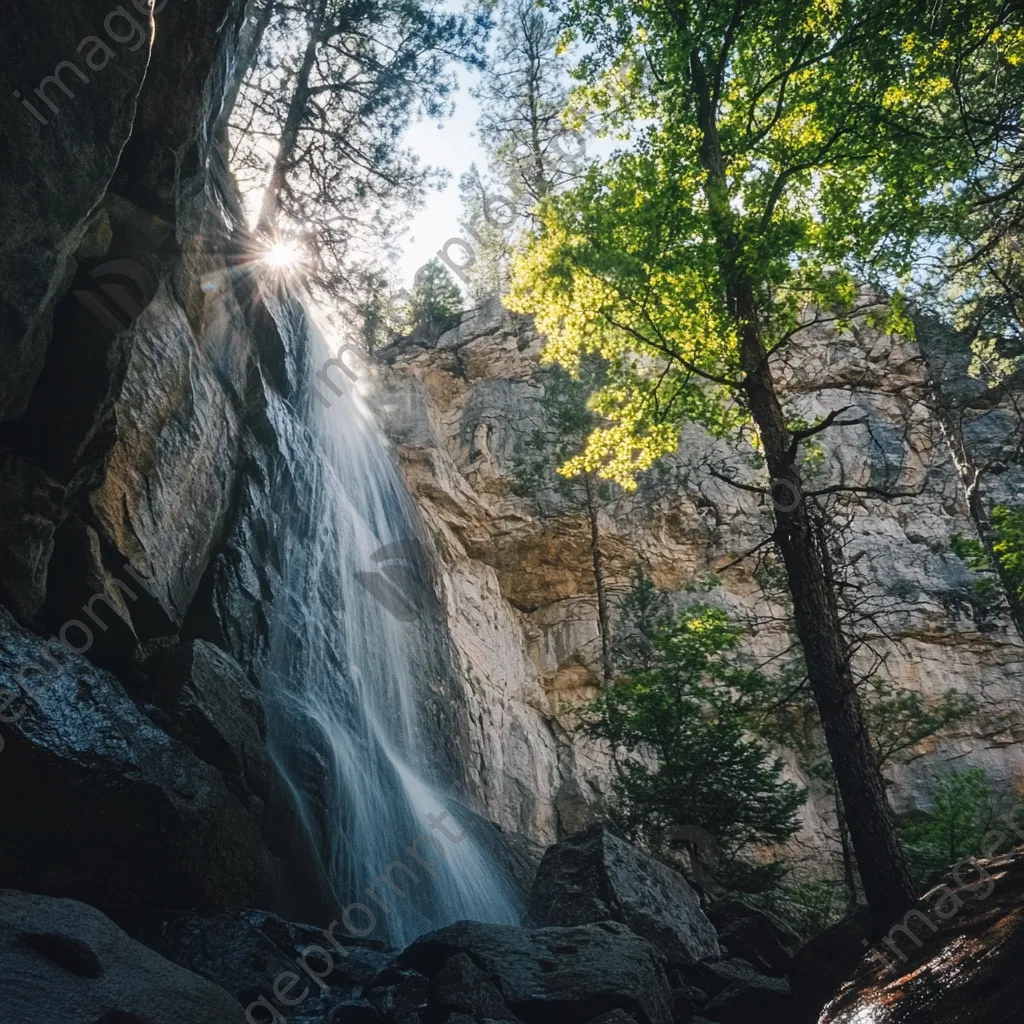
<point x="841" y="146"/>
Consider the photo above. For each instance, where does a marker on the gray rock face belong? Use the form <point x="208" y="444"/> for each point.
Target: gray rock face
<point x="199" y="694"/>
<point x="556" y="975"/>
<point x="66" y="163"/>
<point x="518" y="583"/>
<point x="61" y="960"/>
<point x="597" y="876"/>
<point x="105" y="805"/>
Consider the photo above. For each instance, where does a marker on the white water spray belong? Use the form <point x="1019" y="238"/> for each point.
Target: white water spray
<point x="355" y="648"/>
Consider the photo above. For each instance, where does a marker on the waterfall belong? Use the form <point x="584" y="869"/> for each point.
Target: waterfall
<point x="356" y="644"/>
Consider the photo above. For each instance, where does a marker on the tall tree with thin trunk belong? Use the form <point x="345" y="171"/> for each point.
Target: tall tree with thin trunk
<point x="336" y="87"/>
<point x="567" y="420"/>
<point x="531" y="152"/>
<point x="776" y="147"/>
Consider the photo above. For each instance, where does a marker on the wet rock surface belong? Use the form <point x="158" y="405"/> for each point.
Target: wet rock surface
<point x="103" y="805"/>
<point x="956" y="960"/>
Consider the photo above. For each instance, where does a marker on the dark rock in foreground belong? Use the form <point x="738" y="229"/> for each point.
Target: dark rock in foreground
<point x="955" y="959"/>
<point x="555" y="975"/>
<point x="152" y="827"/>
<point x="597" y="876"/>
<point x="61" y="960"/>
<point x="752" y="935"/>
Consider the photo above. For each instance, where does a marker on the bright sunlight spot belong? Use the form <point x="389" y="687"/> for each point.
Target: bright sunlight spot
<point x="284" y="254"/>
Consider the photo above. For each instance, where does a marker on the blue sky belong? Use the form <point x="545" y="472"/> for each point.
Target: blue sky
<point x="454" y="147"/>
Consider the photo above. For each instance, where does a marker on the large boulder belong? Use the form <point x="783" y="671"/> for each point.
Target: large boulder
<point x="199" y="694"/>
<point x="61" y="960"/>
<point x="760" y="938"/>
<point x="551" y="975"/>
<point x="101" y="805"/>
<point x="597" y="876"/>
<point x="271" y="965"/>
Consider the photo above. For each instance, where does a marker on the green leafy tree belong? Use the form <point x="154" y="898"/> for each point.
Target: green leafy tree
<point x="436" y="300"/>
<point x="678" y="724"/>
<point x="568" y="421"/>
<point x="961" y="814"/>
<point x="777" y="147"/>
<point x="1000" y="561"/>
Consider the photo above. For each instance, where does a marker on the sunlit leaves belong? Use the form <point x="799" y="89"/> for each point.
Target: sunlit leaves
<point x="841" y="150"/>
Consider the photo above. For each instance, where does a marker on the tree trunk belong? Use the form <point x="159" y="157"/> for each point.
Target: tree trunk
<point x="604" y="624"/>
<point x="887" y="884"/>
<point x="849" y="869"/>
<point x="292" y="125"/>
<point x="971" y="475"/>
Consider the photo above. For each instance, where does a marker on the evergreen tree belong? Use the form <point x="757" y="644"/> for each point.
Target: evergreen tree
<point x="678" y="723"/>
<point x="961" y="815"/>
<point x="523" y="94"/>
<point x="531" y="153"/>
<point x="335" y="87"/>
<point x="436" y="300"/>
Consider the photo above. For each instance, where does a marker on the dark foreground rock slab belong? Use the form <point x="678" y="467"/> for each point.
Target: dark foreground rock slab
<point x="61" y="960"/>
<point x="100" y="805"/>
<point x="598" y="876"/>
<point x="556" y="975"/>
<point x="955" y="959"/>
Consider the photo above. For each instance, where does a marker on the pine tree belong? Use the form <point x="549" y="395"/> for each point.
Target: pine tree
<point x="678" y="722"/>
<point x="531" y="153"/>
<point x="335" y="87"/>
<point x="436" y="301"/>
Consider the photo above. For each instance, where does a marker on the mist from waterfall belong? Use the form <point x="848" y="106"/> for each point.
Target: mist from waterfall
<point x="355" y="648"/>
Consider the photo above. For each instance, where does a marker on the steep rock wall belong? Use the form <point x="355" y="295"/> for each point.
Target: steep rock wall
<point x="519" y="587"/>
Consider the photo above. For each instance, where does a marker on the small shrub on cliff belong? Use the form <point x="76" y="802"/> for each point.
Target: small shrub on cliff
<point x="678" y="726"/>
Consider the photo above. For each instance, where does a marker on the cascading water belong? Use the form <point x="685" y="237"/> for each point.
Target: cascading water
<point x="354" y="649"/>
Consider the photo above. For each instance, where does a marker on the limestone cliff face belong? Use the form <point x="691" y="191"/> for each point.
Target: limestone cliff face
<point x="518" y="583"/>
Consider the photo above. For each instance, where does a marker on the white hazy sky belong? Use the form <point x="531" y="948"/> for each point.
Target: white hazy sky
<point x="454" y="147"/>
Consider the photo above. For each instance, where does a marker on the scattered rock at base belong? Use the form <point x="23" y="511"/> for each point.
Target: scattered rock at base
<point x="556" y="975"/>
<point x="596" y="875"/>
<point x="754" y="935"/>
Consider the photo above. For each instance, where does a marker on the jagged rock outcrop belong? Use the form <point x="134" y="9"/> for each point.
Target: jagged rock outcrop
<point x="103" y="805"/>
<point x="148" y="451"/>
<point x="597" y="876"/>
<point x="519" y="591"/>
<point x="63" y="960"/>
